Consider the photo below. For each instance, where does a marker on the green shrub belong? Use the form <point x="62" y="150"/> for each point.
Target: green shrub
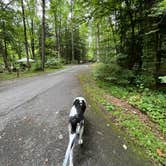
<point x="36" y="66"/>
<point x="144" y="80"/>
<point x="163" y="79"/>
<point x="54" y="63"/>
<point x="113" y="73"/>
<point x="1" y="68"/>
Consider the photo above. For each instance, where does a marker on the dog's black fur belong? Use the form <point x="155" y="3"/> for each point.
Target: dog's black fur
<point x="79" y="117"/>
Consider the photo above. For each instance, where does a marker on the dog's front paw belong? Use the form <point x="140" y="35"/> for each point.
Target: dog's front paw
<point x="80" y="141"/>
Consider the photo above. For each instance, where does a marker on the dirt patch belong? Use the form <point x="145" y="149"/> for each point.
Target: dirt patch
<point x="131" y="109"/>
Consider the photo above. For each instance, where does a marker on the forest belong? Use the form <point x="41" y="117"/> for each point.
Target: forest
<point x="128" y="37"/>
<point x="43" y="31"/>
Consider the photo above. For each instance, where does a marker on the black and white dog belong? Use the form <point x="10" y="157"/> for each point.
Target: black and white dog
<point x="76" y="128"/>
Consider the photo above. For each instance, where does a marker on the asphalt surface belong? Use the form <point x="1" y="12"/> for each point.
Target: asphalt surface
<point x="33" y="125"/>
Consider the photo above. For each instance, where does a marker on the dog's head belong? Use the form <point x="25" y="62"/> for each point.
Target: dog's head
<point x="80" y="102"/>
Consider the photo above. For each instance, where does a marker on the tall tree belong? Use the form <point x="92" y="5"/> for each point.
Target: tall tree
<point x="25" y="33"/>
<point x="43" y="35"/>
<point x="72" y="27"/>
<point x="4" y="47"/>
<point x="31" y="20"/>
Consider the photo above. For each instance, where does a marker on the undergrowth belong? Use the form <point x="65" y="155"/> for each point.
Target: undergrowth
<point x="151" y="103"/>
<point x="22" y="74"/>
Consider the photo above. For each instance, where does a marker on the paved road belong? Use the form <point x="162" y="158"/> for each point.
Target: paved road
<point x="33" y="125"/>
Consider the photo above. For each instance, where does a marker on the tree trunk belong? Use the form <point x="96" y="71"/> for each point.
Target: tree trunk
<point x="140" y="37"/>
<point x="5" y="57"/>
<point x="25" y="33"/>
<point x="57" y="34"/>
<point x="72" y="35"/>
<point x="4" y="49"/>
<point x="97" y="42"/>
<point x="32" y="39"/>
<point x="131" y="53"/>
<point x="43" y="35"/>
<point x="31" y="7"/>
<point x="158" y="58"/>
<point x="113" y="36"/>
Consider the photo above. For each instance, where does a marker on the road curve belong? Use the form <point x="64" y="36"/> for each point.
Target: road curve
<point x="33" y="125"/>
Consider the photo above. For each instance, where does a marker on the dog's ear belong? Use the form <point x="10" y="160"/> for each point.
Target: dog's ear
<point x="84" y="105"/>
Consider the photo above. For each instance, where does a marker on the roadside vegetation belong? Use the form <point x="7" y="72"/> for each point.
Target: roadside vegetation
<point x="139" y="112"/>
<point x="26" y="73"/>
<point x="20" y="70"/>
<point x="151" y="102"/>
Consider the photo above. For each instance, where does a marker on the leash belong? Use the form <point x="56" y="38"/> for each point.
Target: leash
<point x="72" y="141"/>
<point x="70" y="146"/>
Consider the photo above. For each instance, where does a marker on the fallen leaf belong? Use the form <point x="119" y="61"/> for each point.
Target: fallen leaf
<point x="108" y="124"/>
<point x="20" y="139"/>
<point x="100" y="133"/>
<point x="125" y="147"/>
<point x="24" y="118"/>
<point x="60" y="136"/>
<point x="134" y="112"/>
<point x="160" y="153"/>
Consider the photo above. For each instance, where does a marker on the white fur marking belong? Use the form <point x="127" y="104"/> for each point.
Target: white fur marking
<point x="73" y="111"/>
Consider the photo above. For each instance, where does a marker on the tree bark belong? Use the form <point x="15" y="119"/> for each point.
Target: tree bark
<point x="158" y="58"/>
<point x="32" y="39"/>
<point x="57" y="34"/>
<point x="4" y="49"/>
<point x="97" y="41"/>
<point x="43" y="35"/>
<point x="25" y="33"/>
<point x="72" y="35"/>
<point x="132" y="55"/>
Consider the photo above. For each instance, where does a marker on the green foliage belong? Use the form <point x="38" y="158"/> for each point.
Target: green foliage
<point x="163" y="79"/>
<point x="162" y="5"/>
<point x="102" y="71"/>
<point x="36" y="66"/>
<point x="109" y="107"/>
<point x="54" y="63"/>
<point x="148" y="101"/>
<point x="1" y="68"/>
<point x="153" y="104"/>
<point x="144" y="80"/>
<point x="113" y="73"/>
